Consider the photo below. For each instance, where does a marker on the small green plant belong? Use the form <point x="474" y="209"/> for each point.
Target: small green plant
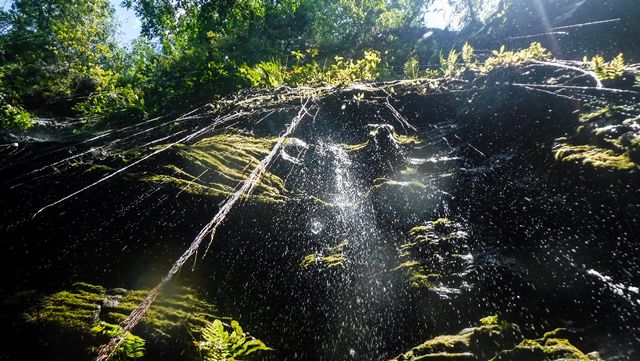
<point x="266" y="74"/>
<point x="344" y="71"/>
<point x="331" y="257"/>
<point x="490" y="320"/>
<point x="607" y="70"/>
<point x="411" y="68"/>
<point x="503" y="58"/>
<point x="304" y="71"/>
<point x="358" y="97"/>
<point x="132" y="347"/>
<point x="449" y="66"/>
<point x="218" y="344"/>
<point x="468" y="54"/>
<point x="14" y="117"/>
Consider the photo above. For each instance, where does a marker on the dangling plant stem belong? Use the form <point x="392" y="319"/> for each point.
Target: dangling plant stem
<point x="107" y="351"/>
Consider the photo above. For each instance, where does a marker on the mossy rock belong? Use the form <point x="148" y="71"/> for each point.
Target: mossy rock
<point x="495" y="340"/>
<point x="595" y="157"/>
<point x="550" y="349"/>
<point x="331" y="257"/>
<point x="607" y="139"/>
<point x="86" y="313"/>
<point x="476" y="343"/>
<point x="436" y="257"/>
<point x="214" y="167"/>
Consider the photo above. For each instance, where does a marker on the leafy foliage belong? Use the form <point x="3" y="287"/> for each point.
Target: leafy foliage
<point x="65" y="51"/>
<point x="349" y="71"/>
<point x="220" y="343"/>
<point x="14" y="116"/>
<point x="308" y="72"/>
<point x="502" y="57"/>
<point x="267" y="74"/>
<point x="411" y="68"/>
<point x="132" y="346"/>
<point x="468" y="54"/>
<point x="607" y="70"/>
<point x="449" y="66"/>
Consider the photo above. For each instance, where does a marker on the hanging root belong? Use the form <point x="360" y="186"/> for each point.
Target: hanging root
<point x="396" y="114"/>
<point x="111" y="175"/>
<point x="584" y="88"/>
<point x="107" y="351"/>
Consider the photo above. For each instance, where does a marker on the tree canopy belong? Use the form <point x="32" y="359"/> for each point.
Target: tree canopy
<point x="60" y="57"/>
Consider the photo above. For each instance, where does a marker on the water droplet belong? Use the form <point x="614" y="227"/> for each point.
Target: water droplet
<point x="316" y="227"/>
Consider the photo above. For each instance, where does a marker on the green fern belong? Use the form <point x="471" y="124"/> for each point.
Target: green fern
<point x="448" y="66"/>
<point x="220" y="345"/>
<point x="607" y="71"/>
<point x="411" y="68"/>
<point x="468" y="54"/>
<point x="503" y="58"/>
<point x="132" y="347"/>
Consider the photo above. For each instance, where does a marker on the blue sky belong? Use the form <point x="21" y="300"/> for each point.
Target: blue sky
<point x="129" y="25"/>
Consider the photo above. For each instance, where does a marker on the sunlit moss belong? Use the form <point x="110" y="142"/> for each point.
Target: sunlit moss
<point x="168" y="314"/>
<point x="595" y="157"/>
<point x="587" y="117"/>
<point x="419" y="229"/>
<point x="423" y="280"/>
<point x="494" y="340"/>
<point x="481" y="343"/>
<point x="441" y="224"/>
<point x="309" y="260"/>
<point x="380" y="183"/>
<point x="98" y="168"/>
<point x="214" y="167"/>
<point x="86" y="306"/>
<point x="406" y="139"/>
<point x="490" y="320"/>
<point x="409" y="171"/>
<point x="433" y="257"/>
<point x="331" y="257"/>
<point x="321" y="201"/>
<point x="543" y="349"/>
<point x="356" y="147"/>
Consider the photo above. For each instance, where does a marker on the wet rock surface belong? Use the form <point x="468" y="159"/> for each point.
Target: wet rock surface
<point x="501" y="199"/>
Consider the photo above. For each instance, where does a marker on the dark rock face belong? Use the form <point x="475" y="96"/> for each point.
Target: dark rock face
<point x="365" y="237"/>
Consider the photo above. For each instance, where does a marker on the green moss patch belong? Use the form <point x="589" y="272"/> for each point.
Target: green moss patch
<point x="331" y="257"/>
<point x="495" y="340"/>
<point x="215" y="166"/>
<point x="436" y="256"/>
<point x="475" y="343"/>
<point x="595" y="157"/>
<point x="91" y="314"/>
